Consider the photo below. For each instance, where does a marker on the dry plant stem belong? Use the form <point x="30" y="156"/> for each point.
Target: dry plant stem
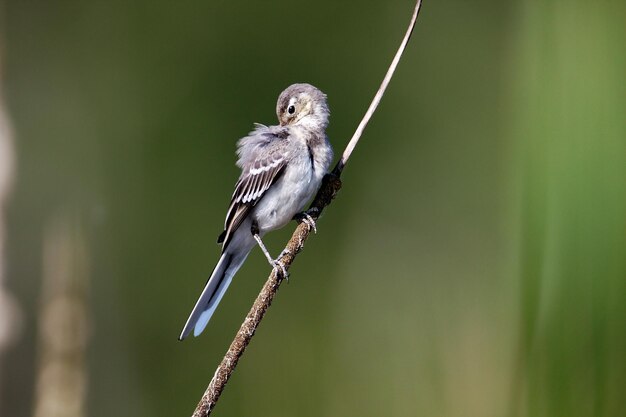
<point x="379" y="94"/>
<point x="329" y="188"/>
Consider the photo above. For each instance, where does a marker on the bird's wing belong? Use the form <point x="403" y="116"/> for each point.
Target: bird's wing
<point x="257" y="178"/>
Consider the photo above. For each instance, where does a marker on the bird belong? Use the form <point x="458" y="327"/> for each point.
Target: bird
<point x="282" y="167"/>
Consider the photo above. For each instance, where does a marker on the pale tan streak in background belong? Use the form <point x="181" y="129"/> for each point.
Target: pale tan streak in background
<point x="61" y="375"/>
<point x="9" y="311"/>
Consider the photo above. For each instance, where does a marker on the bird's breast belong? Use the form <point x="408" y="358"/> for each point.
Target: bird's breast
<point x="288" y="195"/>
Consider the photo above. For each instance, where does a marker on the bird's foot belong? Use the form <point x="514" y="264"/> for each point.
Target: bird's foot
<point x="305" y="217"/>
<point x="277" y="265"/>
<point x="279" y="268"/>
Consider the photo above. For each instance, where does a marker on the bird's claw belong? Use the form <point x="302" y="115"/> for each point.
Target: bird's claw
<point x="306" y="218"/>
<point x="309" y="222"/>
<point x="279" y="267"/>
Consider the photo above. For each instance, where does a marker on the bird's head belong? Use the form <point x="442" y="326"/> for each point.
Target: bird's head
<point x="304" y="105"/>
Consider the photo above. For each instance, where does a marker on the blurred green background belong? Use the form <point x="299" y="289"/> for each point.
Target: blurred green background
<point x="472" y="265"/>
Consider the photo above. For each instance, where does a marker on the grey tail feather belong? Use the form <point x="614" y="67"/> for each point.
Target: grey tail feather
<point x="212" y="294"/>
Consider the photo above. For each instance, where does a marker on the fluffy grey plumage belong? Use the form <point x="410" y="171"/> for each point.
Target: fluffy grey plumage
<point x="282" y="168"/>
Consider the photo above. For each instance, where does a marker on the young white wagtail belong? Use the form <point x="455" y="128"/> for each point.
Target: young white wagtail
<point x="281" y="169"/>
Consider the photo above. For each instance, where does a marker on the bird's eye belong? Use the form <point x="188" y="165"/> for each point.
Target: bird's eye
<point x="291" y="109"/>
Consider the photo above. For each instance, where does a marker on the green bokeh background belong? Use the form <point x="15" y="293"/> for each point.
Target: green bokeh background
<point x="472" y="265"/>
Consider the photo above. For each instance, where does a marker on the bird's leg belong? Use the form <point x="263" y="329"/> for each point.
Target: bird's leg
<point x="274" y="263"/>
<point x="305" y="217"/>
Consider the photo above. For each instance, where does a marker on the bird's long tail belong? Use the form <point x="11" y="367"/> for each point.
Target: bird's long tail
<point x="214" y="290"/>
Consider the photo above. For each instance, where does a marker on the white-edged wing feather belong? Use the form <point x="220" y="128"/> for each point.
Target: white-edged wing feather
<point x="258" y="174"/>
